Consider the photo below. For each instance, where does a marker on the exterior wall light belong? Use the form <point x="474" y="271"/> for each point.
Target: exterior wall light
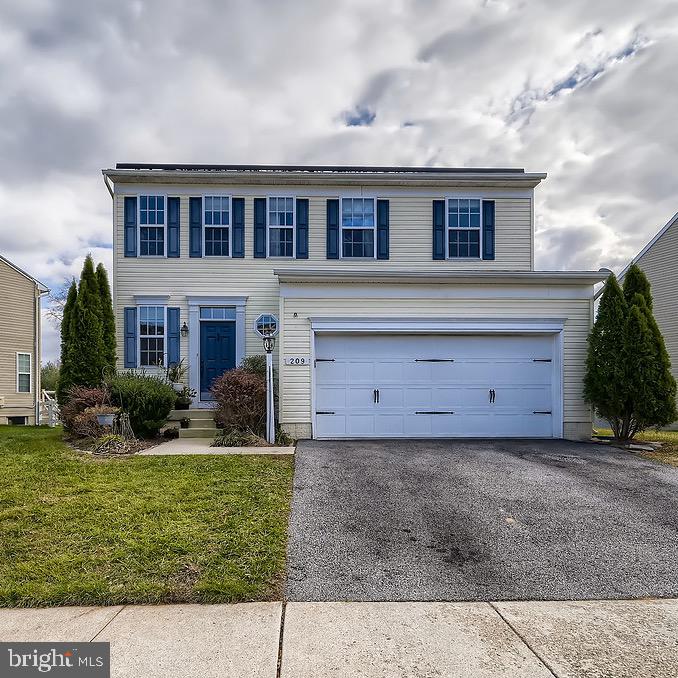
<point x="184" y="330"/>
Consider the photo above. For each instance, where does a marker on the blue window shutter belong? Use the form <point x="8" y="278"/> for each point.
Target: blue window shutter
<point x="488" y="229"/>
<point x="333" y="229"/>
<point x="195" y="227"/>
<point x="130" y="226"/>
<point x="260" y="228"/>
<point x="173" y="335"/>
<point x="302" y="229"/>
<point x="238" y="211"/>
<point x="173" y="227"/>
<point x="382" y="229"/>
<point x="438" y="229"/>
<point x="130" y="336"/>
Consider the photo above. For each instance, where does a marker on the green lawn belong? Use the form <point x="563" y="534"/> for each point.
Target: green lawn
<point x="76" y="530"/>
<point x="667" y="453"/>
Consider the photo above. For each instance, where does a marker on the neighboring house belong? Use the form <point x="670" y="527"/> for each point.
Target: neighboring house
<point x="407" y="297"/>
<point x="19" y="345"/>
<point x="658" y="261"/>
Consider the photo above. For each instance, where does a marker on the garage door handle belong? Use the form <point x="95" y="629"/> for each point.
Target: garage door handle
<point x="319" y="412"/>
<point x="435" y="412"/>
<point x="493" y="395"/>
<point x="541" y="412"/>
<point x="377" y="396"/>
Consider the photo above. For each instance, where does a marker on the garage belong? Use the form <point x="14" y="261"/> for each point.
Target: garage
<point x="437" y="385"/>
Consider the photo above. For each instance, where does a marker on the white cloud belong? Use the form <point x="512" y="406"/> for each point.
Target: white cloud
<point x="584" y="91"/>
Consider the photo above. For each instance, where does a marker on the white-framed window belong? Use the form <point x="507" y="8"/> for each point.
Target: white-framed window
<point x="358" y="227"/>
<point x="152" y="324"/>
<point x="463" y="228"/>
<point x="152" y="213"/>
<point x="281" y="227"/>
<point x="24" y="376"/>
<point x="216" y="221"/>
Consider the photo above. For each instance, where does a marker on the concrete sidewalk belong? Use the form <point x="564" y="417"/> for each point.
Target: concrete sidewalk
<point x="620" y="639"/>
<point x="181" y="446"/>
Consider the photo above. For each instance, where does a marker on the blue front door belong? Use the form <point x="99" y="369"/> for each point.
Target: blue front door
<point x="217" y="353"/>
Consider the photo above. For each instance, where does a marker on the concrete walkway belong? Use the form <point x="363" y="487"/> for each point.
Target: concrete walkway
<point x="620" y="639"/>
<point x="180" y="446"/>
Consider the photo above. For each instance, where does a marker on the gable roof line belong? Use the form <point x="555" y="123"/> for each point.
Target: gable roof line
<point x="647" y="247"/>
<point x="43" y="288"/>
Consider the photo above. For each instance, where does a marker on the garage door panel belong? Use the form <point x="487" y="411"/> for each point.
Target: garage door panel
<point x="390" y="425"/>
<point x="389" y="371"/>
<point x="391" y="396"/>
<point x="361" y="424"/>
<point x="326" y="372"/>
<point x="418" y="397"/>
<point x="331" y="397"/>
<point x="401" y="367"/>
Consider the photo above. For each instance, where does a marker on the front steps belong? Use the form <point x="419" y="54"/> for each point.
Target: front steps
<point x="202" y="423"/>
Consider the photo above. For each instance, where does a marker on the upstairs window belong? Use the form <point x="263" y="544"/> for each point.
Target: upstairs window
<point x="357" y="227"/>
<point x="281" y="227"/>
<point x="216" y="222"/>
<point x="23" y="372"/>
<point x="152" y="225"/>
<point x="463" y="228"/>
<point x="151" y="336"/>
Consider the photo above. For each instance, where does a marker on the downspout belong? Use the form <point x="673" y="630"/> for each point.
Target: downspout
<point x="36" y="356"/>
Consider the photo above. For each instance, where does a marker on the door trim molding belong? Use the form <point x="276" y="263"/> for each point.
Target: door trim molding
<point x="194" y="304"/>
<point x="393" y="326"/>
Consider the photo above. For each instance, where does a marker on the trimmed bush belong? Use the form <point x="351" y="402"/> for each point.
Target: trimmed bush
<point x="240" y="401"/>
<point x="147" y="399"/>
<point x="74" y="416"/>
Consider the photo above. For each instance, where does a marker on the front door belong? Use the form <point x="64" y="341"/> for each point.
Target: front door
<point x="217" y="353"/>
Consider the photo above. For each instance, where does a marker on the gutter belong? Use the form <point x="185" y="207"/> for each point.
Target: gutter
<point x="441" y="277"/>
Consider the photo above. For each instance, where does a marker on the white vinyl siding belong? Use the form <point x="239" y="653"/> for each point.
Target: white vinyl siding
<point x="410" y="244"/>
<point x="659" y="265"/>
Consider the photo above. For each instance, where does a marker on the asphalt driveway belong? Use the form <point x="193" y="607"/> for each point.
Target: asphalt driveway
<point x="480" y="520"/>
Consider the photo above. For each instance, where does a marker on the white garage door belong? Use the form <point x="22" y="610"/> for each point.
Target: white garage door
<point x="434" y="386"/>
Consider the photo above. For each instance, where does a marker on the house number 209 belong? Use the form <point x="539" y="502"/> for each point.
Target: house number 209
<point x="296" y="360"/>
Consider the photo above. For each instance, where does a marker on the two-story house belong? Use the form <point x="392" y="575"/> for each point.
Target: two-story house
<point x="407" y="297"/>
<point x="19" y="345"/>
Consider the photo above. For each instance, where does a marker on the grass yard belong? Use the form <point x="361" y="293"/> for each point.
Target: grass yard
<point x="667" y="453"/>
<point x="81" y="531"/>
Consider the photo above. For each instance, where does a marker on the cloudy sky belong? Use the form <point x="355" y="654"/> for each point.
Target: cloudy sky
<point x="584" y="90"/>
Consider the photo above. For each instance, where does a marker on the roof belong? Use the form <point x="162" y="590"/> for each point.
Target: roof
<point x="43" y="288"/>
<point x="647" y="247"/>
<point x="345" y="275"/>
<point x="322" y="174"/>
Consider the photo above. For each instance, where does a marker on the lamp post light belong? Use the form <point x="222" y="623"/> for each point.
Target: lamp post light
<point x="266" y="326"/>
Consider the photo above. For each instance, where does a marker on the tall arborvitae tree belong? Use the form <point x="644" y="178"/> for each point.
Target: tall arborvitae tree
<point x="67" y="332"/>
<point x="636" y="282"/>
<point x="88" y="344"/>
<point x="107" y="316"/>
<point x="628" y="378"/>
<point x="604" y="378"/>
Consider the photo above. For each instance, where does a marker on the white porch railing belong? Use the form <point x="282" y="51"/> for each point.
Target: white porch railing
<point x="49" y="408"/>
